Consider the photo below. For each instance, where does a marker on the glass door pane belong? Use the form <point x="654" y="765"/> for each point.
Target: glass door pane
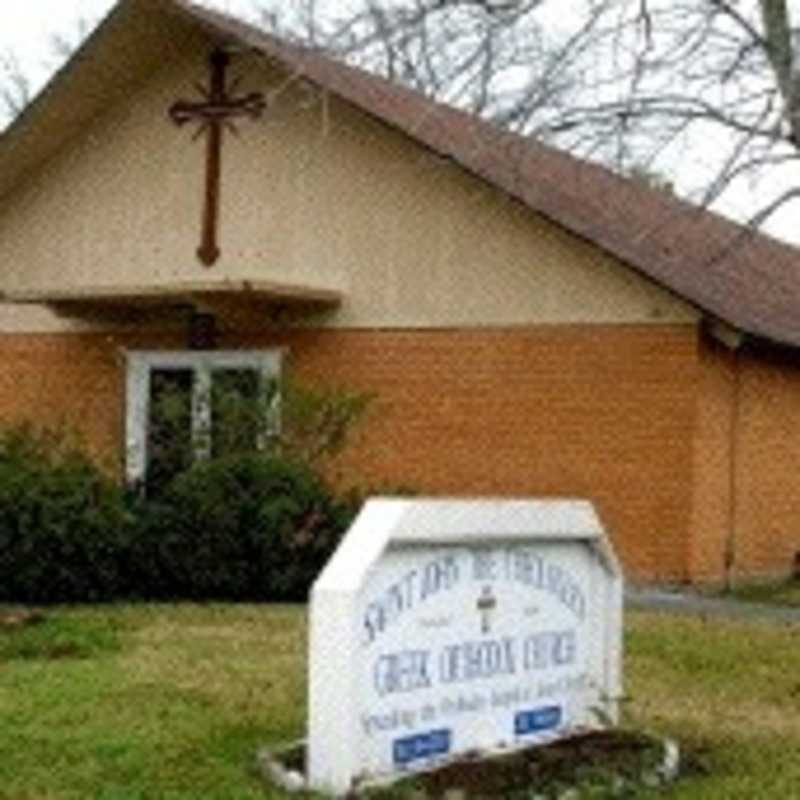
<point x="169" y="428"/>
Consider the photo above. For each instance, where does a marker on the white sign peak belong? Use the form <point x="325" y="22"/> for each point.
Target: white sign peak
<point x="442" y="627"/>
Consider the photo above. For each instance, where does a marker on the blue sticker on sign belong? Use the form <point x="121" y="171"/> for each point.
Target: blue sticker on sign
<point x="538" y="720"/>
<point x="426" y="745"/>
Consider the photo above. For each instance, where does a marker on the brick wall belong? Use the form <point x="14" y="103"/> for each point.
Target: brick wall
<point x="604" y="412"/>
<point x="767" y="472"/>
<point x="746" y="507"/>
<point x="713" y="509"/>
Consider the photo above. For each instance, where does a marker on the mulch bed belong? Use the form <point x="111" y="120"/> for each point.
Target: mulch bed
<point x="617" y="761"/>
<point x="612" y="758"/>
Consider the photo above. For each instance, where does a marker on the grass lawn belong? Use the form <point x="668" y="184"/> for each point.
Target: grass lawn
<point x="786" y="593"/>
<point x="172" y="702"/>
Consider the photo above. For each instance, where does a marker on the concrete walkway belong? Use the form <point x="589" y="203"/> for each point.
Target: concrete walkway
<point x="687" y="602"/>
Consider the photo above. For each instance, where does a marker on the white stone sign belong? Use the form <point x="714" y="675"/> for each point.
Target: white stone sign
<point x="441" y="628"/>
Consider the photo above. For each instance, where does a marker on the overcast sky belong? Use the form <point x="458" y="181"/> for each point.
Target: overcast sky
<point x="30" y="26"/>
<point x="27" y="27"/>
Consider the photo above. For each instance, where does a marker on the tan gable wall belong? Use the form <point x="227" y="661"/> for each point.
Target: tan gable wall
<point x="317" y="193"/>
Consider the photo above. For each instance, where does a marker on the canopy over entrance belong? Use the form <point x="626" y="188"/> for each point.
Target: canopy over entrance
<point x="212" y="296"/>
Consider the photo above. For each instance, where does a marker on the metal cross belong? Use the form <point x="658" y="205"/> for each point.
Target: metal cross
<point x="216" y="111"/>
<point x="486" y="604"/>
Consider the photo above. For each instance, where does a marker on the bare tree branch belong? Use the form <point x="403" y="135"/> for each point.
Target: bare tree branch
<point x="626" y="82"/>
<point x="15" y="87"/>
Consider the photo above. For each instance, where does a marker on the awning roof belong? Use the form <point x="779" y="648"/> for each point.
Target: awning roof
<point x="201" y="295"/>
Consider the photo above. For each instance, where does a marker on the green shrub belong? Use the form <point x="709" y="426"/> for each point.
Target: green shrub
<point x="316" y="421"/>
<point x="309" y="424"/>
<point x="243" y="527"/>
<point x="63" y="524"/>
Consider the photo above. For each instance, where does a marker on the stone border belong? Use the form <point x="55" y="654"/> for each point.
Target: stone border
<point x="272" y="769"/>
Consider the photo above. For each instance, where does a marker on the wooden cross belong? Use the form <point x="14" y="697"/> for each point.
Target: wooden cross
<point x="486" y="604"/>
<point x="216" y="111"/>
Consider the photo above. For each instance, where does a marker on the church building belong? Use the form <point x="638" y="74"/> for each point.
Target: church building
<point x="527" y="323"/>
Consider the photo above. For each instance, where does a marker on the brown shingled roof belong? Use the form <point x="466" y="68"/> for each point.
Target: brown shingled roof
<point x="743" y="278"/>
